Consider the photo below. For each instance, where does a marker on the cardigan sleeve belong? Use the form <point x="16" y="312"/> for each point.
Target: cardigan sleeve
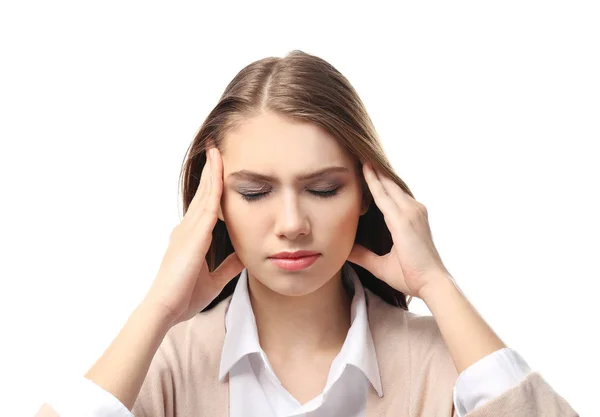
<point x="488" y="378"/>
<point x="532" y="397"/>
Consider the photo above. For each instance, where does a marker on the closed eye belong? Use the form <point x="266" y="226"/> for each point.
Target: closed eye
<point x="320" y="194"/>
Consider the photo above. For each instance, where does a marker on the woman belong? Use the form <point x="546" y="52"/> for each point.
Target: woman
<point x="283" y="291"/>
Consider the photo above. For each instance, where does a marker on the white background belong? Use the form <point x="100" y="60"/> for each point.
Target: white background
<point x="490" y="111"/>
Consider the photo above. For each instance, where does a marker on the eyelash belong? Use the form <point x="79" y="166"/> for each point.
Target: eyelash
<point x="320" y="194"/>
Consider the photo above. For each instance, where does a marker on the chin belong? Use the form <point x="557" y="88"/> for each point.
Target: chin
<point x="293" y="283"/>
<point x="292" y="286"/>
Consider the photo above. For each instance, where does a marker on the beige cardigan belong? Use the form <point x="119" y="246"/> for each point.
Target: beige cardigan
<point x="417" y="372"/>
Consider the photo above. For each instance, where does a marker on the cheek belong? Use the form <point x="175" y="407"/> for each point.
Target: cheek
<point x="339" y="220"/>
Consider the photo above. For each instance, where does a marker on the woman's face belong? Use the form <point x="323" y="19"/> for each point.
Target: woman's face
<point x="265" y="216"/>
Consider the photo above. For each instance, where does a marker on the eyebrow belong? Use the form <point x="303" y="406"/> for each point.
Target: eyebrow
<point x="255" y="176"/>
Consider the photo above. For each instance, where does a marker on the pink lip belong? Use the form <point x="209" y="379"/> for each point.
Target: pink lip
<point x="295" y="264"/>
<point x="297" y="254"/>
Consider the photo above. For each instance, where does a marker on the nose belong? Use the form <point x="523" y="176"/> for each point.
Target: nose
<point x="290" y="220"/>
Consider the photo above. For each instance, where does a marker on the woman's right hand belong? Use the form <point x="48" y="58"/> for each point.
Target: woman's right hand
<point x="184" y="286"/>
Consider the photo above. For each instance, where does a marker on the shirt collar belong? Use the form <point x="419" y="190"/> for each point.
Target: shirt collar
<point x="241" y="337"/>
<point x="241" y="334"/>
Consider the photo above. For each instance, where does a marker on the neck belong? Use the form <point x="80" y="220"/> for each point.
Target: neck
<point x="301" y="325"/>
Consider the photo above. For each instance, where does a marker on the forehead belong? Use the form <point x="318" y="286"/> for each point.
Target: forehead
<point x="279" y="146"/>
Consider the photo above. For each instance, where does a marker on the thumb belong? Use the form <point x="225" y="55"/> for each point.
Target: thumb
<point x="229" y="268"/>
<point x="365" y="258"/>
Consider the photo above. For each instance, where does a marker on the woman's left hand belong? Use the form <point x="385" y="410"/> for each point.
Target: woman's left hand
<point x="413" y="262"/>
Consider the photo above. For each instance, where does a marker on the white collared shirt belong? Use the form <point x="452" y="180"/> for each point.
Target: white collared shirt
<point x="254" y="389"/>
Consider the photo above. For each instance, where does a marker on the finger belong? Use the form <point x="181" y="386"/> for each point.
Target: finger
<point x="215" y="189"/>
<point x="211" y="201"/>
<point x="229" y="268"/>
<point x="385" y="203"/>
<point x="402" y="200"/>
<point x="365" y="258"/>
<point x="202" y="186"/>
